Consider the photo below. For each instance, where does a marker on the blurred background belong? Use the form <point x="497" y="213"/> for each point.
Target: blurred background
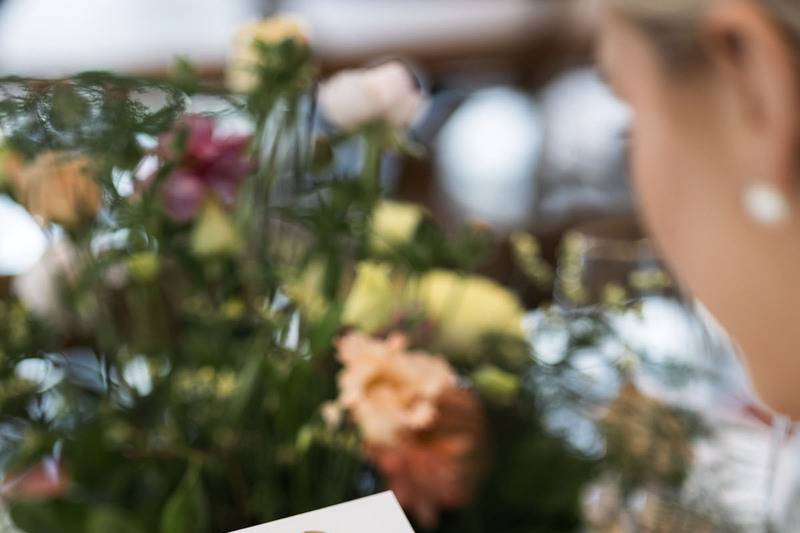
<point x="520" y="135"/>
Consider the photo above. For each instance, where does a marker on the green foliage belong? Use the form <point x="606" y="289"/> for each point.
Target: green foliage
<point x="284" y="68"/>
<point x="534" y="482"/>
<point x="181" y="392"/>
<point x="53" y="516"/>
<point x="95" y="113"/>
<point x="186" y="510"/>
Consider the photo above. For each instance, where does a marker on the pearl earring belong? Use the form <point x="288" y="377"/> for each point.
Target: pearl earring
<point x="766" y="204"/>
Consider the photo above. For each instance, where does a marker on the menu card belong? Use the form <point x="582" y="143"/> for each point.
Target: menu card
<point x="375" y="514"/>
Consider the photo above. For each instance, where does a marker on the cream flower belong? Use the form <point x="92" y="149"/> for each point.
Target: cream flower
<point x="387" y="389"/>
<point x="40" y="288"/>
<point x="243" y="62"/>
<point x="394" y="223"/>
<point x="387" y="93"/>
<point x="373" y="298"/>
<point x="57" y="187"/>
<point x="466" y="308"/>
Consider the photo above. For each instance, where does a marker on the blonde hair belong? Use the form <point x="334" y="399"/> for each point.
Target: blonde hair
<point x="674" y="24"/>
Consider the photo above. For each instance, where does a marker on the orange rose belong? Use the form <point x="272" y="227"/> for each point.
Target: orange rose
<point x="438" y="467"/>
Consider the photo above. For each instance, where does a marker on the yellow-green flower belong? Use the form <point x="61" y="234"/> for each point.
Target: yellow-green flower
<point x="615" y="295"/>
<point x="234" y="309"/>
<point x="214" y="233"/>
<point x="650" y="280"/>
<point x="393" y="224"/>
<point x="497" y="385"/>
<point x="528" y="255"/>
<point x="225" y="385"/>
<point x="305" y="290"/>
<point x="374" y="297"/>
<point x="242" y="75"/>
<point x="205" y="383"/>
<point x="467" y="308"/>
<point x="143" y="266"/>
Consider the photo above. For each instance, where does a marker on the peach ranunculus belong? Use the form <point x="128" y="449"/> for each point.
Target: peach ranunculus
<point x="423" y="433"/>
<point x="57" y="187"/>
<point x="387" y="389"/>
<point x="439" y="467"/>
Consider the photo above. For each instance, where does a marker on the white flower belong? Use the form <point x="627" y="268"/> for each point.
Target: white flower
<point x="388" y="93"/>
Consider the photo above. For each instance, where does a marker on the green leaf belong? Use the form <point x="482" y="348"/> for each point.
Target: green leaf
<point x="186" y="76"/>
<point x="186" y="510"/>
<point x="249" y="380"/>
<point x="321" y="337"/>
<point x="108" y="519"/>
<point x="40" y="517"/>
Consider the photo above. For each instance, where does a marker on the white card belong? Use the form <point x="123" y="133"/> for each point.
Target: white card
<point x="375" y="514"/>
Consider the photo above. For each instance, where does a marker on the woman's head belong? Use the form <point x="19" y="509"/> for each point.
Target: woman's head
<point x="714" y="88"/>
<point x="676" y="26"/>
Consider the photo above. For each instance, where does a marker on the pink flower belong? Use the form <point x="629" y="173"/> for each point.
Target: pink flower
<point x="45" y="481"/>
<point x="209" y="166"/>
<point x="387" y="389"/>
<point x="438" y="467"/>
<point x="183" y="195"/>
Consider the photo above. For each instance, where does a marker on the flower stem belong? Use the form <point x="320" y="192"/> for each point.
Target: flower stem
<point x="373" y="152"/>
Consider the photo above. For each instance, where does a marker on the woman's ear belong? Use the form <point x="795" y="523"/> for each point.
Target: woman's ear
<point x="758" y="79"/>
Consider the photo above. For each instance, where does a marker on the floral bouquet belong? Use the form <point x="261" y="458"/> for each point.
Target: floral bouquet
<point x="231" y="325"/>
